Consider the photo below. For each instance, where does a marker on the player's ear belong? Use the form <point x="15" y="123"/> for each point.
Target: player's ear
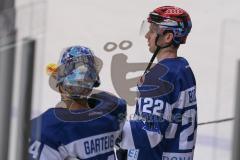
<point x="168" y="36"/>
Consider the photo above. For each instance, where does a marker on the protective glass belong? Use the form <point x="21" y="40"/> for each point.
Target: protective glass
<point x="145" y="26"/>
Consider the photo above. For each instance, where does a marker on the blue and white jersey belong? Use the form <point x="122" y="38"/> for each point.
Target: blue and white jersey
<point x="166" y="114"/>
<point x="88" y="134"/>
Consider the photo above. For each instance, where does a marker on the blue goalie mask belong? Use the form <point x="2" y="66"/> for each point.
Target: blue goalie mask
<point x="77" y="71"/>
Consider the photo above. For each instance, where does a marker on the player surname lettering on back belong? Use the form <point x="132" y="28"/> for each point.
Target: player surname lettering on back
<point x="177" y="156"/>
<point x="99" y="144"/>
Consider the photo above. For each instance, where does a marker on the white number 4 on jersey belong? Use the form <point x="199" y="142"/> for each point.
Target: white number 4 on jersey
<point x="34" y="149"/>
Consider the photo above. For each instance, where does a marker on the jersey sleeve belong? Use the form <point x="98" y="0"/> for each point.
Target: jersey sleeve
<point x="41" y="147"/>
<point x="144" y="132"/>
<point x="40" y="151"/>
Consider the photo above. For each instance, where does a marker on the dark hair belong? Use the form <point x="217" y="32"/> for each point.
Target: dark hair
<point x="176" y="45"/>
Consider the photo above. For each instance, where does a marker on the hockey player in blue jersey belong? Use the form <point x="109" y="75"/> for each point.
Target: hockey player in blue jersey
<point x="83" y="125"/>
<point x="165" y="124"/>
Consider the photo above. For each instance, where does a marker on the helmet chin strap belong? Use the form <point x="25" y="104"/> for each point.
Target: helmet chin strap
<point x="155" y="53"/>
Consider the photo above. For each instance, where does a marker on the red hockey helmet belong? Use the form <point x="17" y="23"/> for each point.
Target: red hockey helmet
<point x="173" y="19"/>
